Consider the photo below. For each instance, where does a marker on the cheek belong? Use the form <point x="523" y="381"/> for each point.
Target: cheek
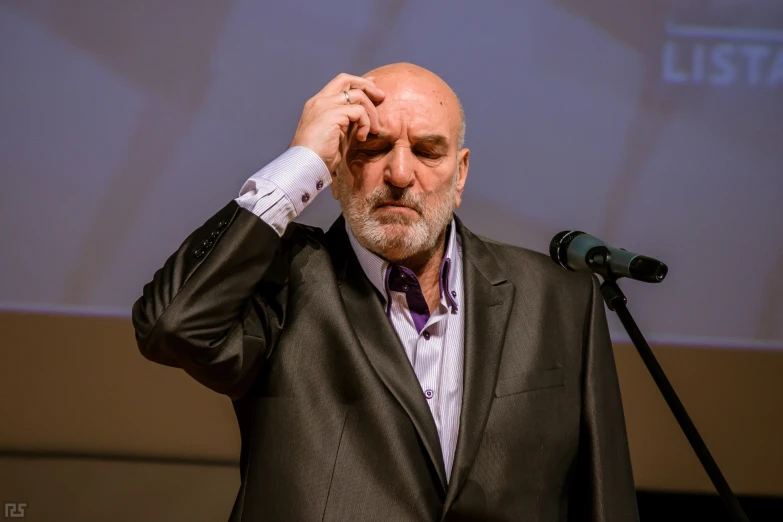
<point x="438" y="182"/>
<point x="365" y="177"/>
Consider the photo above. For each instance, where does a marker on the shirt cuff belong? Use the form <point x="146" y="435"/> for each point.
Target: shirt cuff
<point x="279" y="192"/>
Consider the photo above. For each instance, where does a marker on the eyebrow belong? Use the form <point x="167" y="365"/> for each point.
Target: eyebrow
<point x="435" y="140"/>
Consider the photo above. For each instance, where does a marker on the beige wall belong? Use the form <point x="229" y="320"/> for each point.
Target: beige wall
<point x="78" y="384"/>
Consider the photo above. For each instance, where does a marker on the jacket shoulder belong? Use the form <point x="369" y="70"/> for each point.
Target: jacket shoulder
<point x="300" y="240"/>
<point x="305" y="252"/>
<point x="519" y="263"/>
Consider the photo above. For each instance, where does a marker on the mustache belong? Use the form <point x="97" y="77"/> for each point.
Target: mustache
<point x="385" y="196"/>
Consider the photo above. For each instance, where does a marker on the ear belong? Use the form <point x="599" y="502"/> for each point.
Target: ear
<point x="463" y="162"/>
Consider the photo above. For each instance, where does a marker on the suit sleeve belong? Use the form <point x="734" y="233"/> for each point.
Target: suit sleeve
<point x="604" y="488"/>
<point x="199" y="312"/>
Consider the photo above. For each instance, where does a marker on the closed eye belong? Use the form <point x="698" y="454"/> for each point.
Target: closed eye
<point x="371" y="150"/>
<point x="428" y="154"/>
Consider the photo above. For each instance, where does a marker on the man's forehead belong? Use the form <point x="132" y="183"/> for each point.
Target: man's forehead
<point x="417" y="102"/>
<point x="412" y="112"/>
<point x="406" y="89"/>
<point x="416" y="112"/>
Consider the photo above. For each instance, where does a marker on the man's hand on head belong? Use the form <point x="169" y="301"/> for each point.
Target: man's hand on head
<point x="328" y="115"/>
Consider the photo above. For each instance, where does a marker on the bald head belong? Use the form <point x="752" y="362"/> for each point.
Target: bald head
<point x="401" y="78"/>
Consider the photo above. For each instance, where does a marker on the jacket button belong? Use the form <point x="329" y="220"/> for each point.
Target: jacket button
<point x="214" y="234"/>
<point x="222" y="225"/>
<point x="207" y="243"/>
<point x="198" y="253"/>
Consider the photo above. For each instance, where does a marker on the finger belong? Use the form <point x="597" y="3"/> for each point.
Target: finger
<point x="357" y="114"/>
<point x="345" y="82"/>
<point x="358" y="96"/>
<point x="374" y="92"/>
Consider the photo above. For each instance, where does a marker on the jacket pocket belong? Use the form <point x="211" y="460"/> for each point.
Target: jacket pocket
<point x="529" y="381"/>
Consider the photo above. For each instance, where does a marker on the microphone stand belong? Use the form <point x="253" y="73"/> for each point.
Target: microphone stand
<point x="616" y="301"/>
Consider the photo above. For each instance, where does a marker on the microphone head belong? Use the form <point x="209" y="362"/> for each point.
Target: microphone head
<point x="647" y="269"/>
<point x="558" y="247"/>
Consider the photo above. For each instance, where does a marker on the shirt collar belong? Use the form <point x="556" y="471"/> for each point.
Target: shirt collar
<point x="375" y="268"/>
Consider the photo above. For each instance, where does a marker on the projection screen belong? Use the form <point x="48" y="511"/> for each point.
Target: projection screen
<point x="656" y="126"/>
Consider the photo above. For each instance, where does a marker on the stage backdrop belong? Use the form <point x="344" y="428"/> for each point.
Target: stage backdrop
<point x="653" y="125"/>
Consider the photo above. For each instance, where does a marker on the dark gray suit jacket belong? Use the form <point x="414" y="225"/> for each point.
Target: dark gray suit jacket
<point x="333" y="421"/>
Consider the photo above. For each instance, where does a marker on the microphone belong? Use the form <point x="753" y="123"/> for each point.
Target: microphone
<point x="580" y="252"/>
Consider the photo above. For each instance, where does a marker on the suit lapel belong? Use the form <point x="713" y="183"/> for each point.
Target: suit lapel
<point x="489" y="299"/>
<point x="381" y="344"/>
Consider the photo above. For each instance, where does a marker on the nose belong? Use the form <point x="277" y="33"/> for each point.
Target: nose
<point x="400" y="169"/>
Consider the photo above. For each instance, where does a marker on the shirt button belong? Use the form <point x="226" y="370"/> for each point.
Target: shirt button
<point x="454" y="293"/>
<point x="319" y="185"/>
<point x="305" y="198"/>
<point x="426" y="335"/>
<point x="428" y="394"/>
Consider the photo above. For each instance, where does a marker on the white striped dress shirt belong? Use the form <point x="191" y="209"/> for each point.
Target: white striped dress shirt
<point x="434" y="343"/>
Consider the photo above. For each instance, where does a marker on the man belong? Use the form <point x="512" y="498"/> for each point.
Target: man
<point x="396" y="367"/>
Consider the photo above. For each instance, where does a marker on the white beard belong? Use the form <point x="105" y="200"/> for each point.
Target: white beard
<point x="394" y="236"/>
